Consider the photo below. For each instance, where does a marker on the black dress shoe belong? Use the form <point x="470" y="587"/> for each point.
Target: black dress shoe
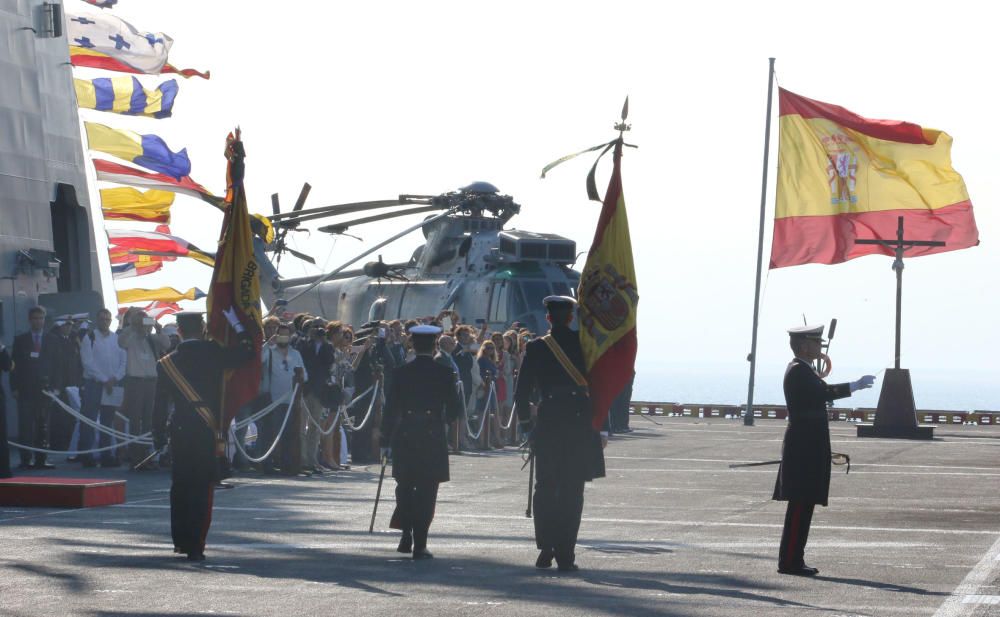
<point x="568" y="567"/>
<point x="109" y="463"/>
<point x="88" y="461"/>
<point x="802" y="570"/>
<point x="43" y="466"/>
<point x="544" y="560"/>
<point x="422" y="553"/>
<point x="405" y="543"/>
<point x="25" y="466"/>
<point x="196" y="557"/>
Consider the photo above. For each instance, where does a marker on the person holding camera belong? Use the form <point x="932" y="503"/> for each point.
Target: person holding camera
<point x="318" y="357"/>
<point x="144" y="345"/>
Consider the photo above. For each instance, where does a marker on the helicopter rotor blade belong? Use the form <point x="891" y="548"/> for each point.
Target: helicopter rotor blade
<point x="301" y="256"/>
<point x="337" y="228"/>
<point x="274" y="204"/>
<point x="303" y="194"/>
<point x="359" y="206"/>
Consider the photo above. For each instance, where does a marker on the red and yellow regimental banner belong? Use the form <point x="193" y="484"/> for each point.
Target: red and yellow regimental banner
<point x="843" y="178"/>
<point x="608" y="299"/>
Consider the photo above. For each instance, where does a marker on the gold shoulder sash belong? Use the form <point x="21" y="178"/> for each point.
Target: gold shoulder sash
<point x="564" y="360"/>
<point x="188" y="392"/>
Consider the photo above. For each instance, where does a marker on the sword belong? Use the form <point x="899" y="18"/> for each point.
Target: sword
<point x="149" y="458"/>
<point x="378" y="493"/>
<point x="837" y="458"/>
<point x="530" y="463"/>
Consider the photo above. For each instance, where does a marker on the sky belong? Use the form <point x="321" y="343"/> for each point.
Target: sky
<point x="370" y="100"/>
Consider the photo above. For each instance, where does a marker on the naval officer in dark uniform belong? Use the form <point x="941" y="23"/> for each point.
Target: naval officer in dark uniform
<point x="196" y="399"/>
<point x="422" y="401"/>
<point x="804" y="475"/>
<point x="567" y="450"/>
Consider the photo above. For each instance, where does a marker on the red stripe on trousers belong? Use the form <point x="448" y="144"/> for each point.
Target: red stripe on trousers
<point x="793" y="536"/>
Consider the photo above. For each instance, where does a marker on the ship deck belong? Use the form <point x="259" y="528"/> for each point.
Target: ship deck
<point x="914" y="529"/>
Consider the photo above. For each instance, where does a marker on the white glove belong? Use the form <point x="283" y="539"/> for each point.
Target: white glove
<point x="233" y="320"/>
<point x="863" y="384"/>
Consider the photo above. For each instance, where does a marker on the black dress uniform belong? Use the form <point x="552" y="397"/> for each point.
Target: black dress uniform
<point x="421" y="402"/>
<point x="196" y="469"/>
<point x="567" y="449"/>
<point x="804" y="475"/>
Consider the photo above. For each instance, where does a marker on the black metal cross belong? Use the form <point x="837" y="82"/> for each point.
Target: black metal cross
<point x="900" y="245"/>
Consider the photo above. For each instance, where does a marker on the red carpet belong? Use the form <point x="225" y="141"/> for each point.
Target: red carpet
<point x="41" y="492"/>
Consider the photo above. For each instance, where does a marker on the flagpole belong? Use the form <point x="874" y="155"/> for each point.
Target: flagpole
<point x="748" y="417"/>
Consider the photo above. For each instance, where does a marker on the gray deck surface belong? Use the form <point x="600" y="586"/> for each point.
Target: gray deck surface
<point x="913" y="530"/>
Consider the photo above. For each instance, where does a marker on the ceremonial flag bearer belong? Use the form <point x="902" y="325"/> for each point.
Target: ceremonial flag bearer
<point x="804" y="474"/>
<point x="568" y="451"/>
<point x="422" y="401"/>
<point x="190" y="378"/>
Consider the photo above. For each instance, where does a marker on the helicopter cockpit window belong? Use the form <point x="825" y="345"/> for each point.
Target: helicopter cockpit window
<point x="562" y="289"/>
<point x="534" y="292"/>
<point x="498" y="311"/>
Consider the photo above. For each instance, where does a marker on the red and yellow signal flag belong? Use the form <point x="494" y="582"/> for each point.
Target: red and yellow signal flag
<point x="234" y="296"/>
<point x="608" y="298"/>
<point x="843" y="178"/>
<point x="128" y="204"/>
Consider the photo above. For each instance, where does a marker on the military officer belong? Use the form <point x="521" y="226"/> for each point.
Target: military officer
<point x="190" y="378"/>
<point x="567" y="450"/>
<point x="421" y="402"/>
<point x="804" y="475"/>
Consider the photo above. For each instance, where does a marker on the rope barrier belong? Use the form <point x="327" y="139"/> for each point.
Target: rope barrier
<point x="96" y="425"/>
<point x="510" y="420"/>
<point x="77" y="452"/>
<point x="348" y="421"/>
<point x="486" y="414"/>
<point x="263" y="412"/>
<point x="281" y="431"/>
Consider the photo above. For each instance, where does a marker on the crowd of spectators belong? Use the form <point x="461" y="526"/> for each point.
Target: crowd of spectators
<point x="109" y="376"/>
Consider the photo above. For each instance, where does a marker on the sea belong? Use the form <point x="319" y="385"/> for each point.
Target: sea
<point x="933" y="389"/>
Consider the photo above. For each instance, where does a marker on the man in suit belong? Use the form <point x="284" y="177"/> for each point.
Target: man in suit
<point x="32" y="358"/>
<point x="190" y="377"/>
<point x="421" y="402"/>
<point x="318" y="357"/>
<point x="804" y="475"/>
<point x="568" y="451"/>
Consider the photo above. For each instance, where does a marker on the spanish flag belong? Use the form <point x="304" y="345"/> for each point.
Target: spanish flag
<point x="162" y="294"/>
<point x="608" y="298"/>
<point x="128" y="204"/>
<point x="235" y="291"/>
<point x="843" y="178"/>
<point x="125" y="95"/>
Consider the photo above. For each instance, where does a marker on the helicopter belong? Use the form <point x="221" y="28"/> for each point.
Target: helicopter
<point x="468" y="262"/>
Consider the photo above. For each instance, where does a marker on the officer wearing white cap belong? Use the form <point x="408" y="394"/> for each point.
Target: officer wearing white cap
<point x="568" y="452"/>
<point x="421" y="402"/>
<point x="804" y="475"/>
